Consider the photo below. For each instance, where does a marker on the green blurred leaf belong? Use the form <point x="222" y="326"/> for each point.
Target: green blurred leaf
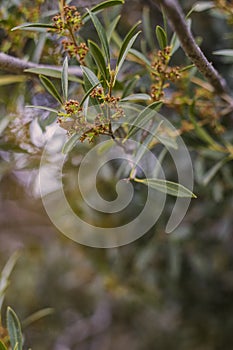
<point x="169" y="187"/>
<point x="14" y="329"/>
<point x="11" y="79"/>
<point x="33" y="26"/>
<point x="37" y="316"/>
<point x="64" y="79"/>
<point x="147" y="27"/>
<point x="144" y="116"/>
<point x="70" y="143"/>
<point x="203" y="6"/>
<point x="110" y="29"/>
<point x="213" y="171"/>
<point x="137" y="97"/>
<point x="161" y="37"/>
<point x="102" y="35"/>
<point x="226" y="52"/>
<point x="5" y="275"/>
<point x="2" y="346"/>
<point x="102" y="6"/>
<point x="43" y="108"/>
<point x="140" y="56"/>
<point x="48" y="85"/>
<point x="126" y="46"/>
<point x="53" y="73"/>
<point x="99" y="58"/>
<point x="129" y="87"/>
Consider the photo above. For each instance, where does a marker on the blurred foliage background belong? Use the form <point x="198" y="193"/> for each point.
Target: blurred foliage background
<point x="160" y="292"/>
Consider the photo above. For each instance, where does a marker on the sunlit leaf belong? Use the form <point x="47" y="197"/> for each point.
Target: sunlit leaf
<point x="91" y="77"/>
<point x="49" y="86"/>
<point x="226" y="52"/>
<point x="168" y="187"/>
<point x="14" y="329"/>
<point x="64" y="79"/>
<point x="203" y="6"/>
<point x="87" y="94"/>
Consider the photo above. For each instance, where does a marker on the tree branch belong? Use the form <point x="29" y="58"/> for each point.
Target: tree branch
<point x="192" y="50"/>
<point x="17" y="66"/>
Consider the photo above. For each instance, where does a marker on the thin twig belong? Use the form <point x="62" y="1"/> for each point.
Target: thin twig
<point x="17" y="66"/>
<point x="192" y="50"/>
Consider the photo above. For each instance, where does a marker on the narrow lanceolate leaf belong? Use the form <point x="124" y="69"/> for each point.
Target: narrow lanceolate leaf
<point x="64" y="79"/>
<point x="126" y="46"/>
<point x="102" y="6"/>
<point x="112" y="27"/>
<point x="144" y="116"/>
<point x="226" y="53"/>
<point x="91" y="77"/>
<point x="147" y="27"/>
<point x="98" y="57"/>
<point x="69" y="145"/>
<point x="168" y="187"/>
<point x="2" y="346"/>
<point x="5" y="275"/>
<point x="43" y="108"/>
<point x="161" y="37"/>
<point x="140" y="57"/>
<point x="53" y="73"/>
<point x="87" y="94"/>
<point x="14" y="329"/>
<point x="11" y="79"/>
<point x="48" y="85"/>
<point x="213" y="171"/>
<point x="34" y="26"/>
<point x="102" y="35"/>
<point x="137" y="97"/>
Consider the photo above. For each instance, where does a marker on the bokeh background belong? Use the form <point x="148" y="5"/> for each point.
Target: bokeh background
<point x="162" y="291"/>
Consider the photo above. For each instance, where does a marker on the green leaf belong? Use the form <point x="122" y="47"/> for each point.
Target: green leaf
<point x="5" y="275"/>
<point x="2" y="346"/>
<point x="213" y="171"/>
<point x="53" y="73"/>
<point x="137" y="97"/>
<point x="146" y="21"/>
<point x="37" y="316"/>
<point x="126" y="46"/>
<point x="99" y="58"/>
<point x="70" y="143"/>
<point x="91" y="77"/>
<point x="14" y="329"/>
<point x="48" y="85"/>
<point x="203" y="6"/>
<point x="111" y="27"/>
<point x="64" y="79"/>
<point x="43" y="108"/>
<point x="87" y="94"/>
<point x="33" y="26"/>
<point x="129" y="87"/>
<point x="161" y="37"/>
<point x="144" y="116"/>
<point x="226" y="52"/>
<point x="102" y="35"/>
<point x="140" y="56"/>
<point x="169" y="187"/>
<point x="102" y="6"/>
<point x="11" y="79"/>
